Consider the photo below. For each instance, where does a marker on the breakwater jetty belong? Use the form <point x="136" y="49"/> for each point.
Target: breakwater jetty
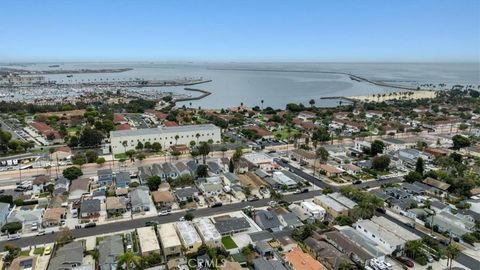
<point x="204" y="94"/>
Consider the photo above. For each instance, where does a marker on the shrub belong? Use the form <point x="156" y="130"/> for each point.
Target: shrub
<point x="12" y="227"/>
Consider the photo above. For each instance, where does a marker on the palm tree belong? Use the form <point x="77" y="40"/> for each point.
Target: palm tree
<point x="197" y="136"/>
<point x="130" y="260"/>
<point x="125" y="143"/>
<point x="452" y="252"/>
<point x="322" y="154"/>
<point x="261" y="101"/>
<point x="176" y="139"/>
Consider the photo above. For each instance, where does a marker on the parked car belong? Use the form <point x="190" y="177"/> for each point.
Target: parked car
<point x="357" y="182"/>
<point x="90" y="225"/>
<point x="47" y="251"/>
<point x="164" y="213"/>
<point x="151" y="223"/>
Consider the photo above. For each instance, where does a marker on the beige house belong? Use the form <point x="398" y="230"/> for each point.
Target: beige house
<point x="329" y="170"/>
<point x="53" y="216"/>
<point x="163" y="199"/>
<point x="303" y="156"/>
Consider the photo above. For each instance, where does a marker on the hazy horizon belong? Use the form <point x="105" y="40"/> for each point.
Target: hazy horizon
<point x="241" y="31"/>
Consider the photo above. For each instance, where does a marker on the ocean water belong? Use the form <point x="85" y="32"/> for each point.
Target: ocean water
<point x="278" y="83"/>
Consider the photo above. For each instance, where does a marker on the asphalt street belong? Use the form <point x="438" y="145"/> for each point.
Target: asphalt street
<point x="136" y="223"/>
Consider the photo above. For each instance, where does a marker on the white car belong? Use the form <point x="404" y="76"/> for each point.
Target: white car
<point x="182" y="219"/>
<point x="164" y="213"/>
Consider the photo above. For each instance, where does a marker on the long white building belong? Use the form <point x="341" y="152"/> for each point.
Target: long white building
<point x="124" y="140"/>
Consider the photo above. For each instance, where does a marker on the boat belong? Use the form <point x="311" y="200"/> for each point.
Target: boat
<point x="54" y="66"/>
<point x="69" y="76"/>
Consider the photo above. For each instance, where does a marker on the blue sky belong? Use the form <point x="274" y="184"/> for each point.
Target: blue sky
<point x="241" y="30"/>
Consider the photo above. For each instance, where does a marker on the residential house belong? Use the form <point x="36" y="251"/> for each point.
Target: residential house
<point x="182" y="168"/>
<point x="147" y="241"/>
<point x="122" y="179"/>
<point x="313" y="210"/>
<point x="350" y="248"/>
<point x="298" y="260"/>
<point x="188" y="235"/>
<point x="78" y="188"/>
<point x="27" y="218"/>
<point x="116" y="205"/>
<point x="186" y="193"/>
<point x="157" y="170"/>
<point x="210" y="189"/>
<point x="140" y="199"/>
<point x="90" y="208"/>
<point x="351" y="169"/>
<point x="264" y="249"/>
<point x="330" y="170"/>
<point x="4" y="212"/>
<point x="53" y="217"/>
<point x="144" y="172"/>
<point x="334" y="209"/>
<point x="170" y="170"/>
<point x="163" y="199"/>
<point x="231" y="225"/>
<point x="207" y="231"/>
<point x="171" y="244"/>
<point x="214" y="167"/>
<point x="61" y="185"/>
<point x="289" y="220"/>
<point x="305" y="157"/>
<point x="264" y="264"/>
<point x="40" y="183"/>
<point x="105" y="177"/>
<point x="109" y="249"/>
<point x="260" y="160"/>
<point x="306" y="115"/>
<point x="287" y="243"/>
<point x="267" y="220"/>
<point x="68" y="256"/>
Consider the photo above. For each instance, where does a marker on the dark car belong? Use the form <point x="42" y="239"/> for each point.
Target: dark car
<point x="358" y="182"/>
<point x="151" y="223"/>
<point x="90" y="225"/>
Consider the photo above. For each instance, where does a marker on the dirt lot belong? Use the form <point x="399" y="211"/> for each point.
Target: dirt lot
<point x="251" y="180"/>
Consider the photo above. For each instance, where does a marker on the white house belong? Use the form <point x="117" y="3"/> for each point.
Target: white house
<point x="313" y="210"/>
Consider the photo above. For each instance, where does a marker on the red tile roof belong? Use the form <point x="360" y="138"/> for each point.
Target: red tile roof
<point x="122" y="127"/>
<point x="117" y="118"/>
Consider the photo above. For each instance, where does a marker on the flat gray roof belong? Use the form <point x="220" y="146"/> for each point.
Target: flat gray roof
<point x="159" y="130"/>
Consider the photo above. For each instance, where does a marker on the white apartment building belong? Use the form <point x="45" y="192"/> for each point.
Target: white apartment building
<point x="208" y="232"/>
<point x="313" y="210"/>
<point x="124" y="140"/>
<point x="169" y="239"/>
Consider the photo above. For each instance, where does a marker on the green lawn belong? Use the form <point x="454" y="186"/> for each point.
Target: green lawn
<point x="121" y="156"/>
<point x="39" y="251"/>
<point x="25" y="253"/>
<point x="228" y="242"/>
<point x="284" y="133"/>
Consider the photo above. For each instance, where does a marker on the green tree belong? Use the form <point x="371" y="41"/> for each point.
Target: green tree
<point x="413" y="177"/>
<point x="129" y="260"/>
<point x="380" y="163"/>
<point x="204" y="149"/>
<point x="139" y="146"/>
<point x="72" y="173"/>
<point x="90" y="137"/>
<point x="130" y="154"/>
<point x="153" y="182"/>
<point x="100" y="160"/>
<point x="321" y="135"/>
<point x="91" y="155"/>
<point x="460" y="141"/>
<point x="12" y="227"/>
<point x="452" y="252"/>
<point x="322" y="154"/>
<point x="156" y="147"/>
<point x="79" y="159"/>
<point x="420" y="166"/>
<point x="202" y="170"/>
<point x="376" y="147"/>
